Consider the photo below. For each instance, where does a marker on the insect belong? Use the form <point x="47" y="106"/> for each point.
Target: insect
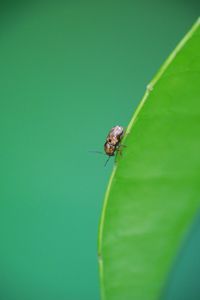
<point x="113" y="142"/>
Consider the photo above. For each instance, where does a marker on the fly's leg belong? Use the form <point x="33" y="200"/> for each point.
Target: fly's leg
<point x="107" y="161"/>
<point x="119" y="148"/>
<point x="119" y="151"/>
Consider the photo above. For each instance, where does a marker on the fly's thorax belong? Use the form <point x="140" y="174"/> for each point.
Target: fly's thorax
<point x="113" y="140"/>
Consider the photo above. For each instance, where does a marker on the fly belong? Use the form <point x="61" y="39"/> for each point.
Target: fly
<point x="113" y="140"/>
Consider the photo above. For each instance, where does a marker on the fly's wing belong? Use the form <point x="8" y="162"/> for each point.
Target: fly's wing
<point x="115" y="135"/>
<point x="118" y="131"/>
<point x="115" y="131"/>
<point x="111" y="133"/>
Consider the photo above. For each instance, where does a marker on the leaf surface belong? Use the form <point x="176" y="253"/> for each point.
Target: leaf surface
<point x="153" y="193"/>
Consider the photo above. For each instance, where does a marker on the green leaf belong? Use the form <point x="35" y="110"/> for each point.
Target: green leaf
<point x="153" y="193"/>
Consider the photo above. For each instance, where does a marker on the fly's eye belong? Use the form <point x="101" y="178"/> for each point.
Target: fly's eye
<point x="109" y="140"/>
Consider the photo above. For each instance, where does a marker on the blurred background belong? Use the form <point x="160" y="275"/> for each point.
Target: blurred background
<point x="69" y="71"/>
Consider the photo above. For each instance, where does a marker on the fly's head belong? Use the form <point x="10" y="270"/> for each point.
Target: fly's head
<point x="109" y="149"/>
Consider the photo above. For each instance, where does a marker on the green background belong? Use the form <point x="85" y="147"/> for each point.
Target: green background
<point x="69" y="71"/>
